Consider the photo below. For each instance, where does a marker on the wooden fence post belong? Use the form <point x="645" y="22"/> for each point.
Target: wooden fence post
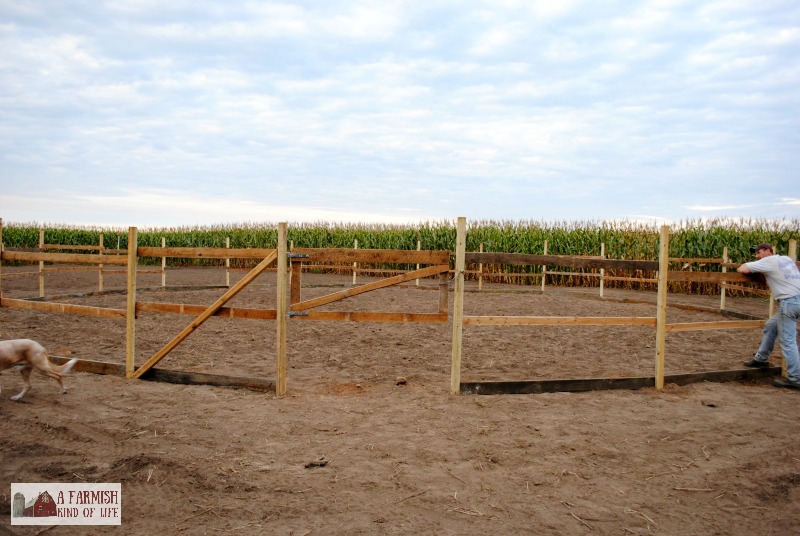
<point x="163" y="264"/>
<point x="41" y="264"/>
<point x="228" y="263"/>
<point x="355" y="264"/>
<point x="295" y="278"/>
<point x="661" y="313"/>
<point x="419" y="247"/>
<point x="130" y="331"/>
<point x="480" y="271"/>
<point x="544" y="268"/>
<point x="602" y="270"/>
<point x="458" y="307"/>
<point x="723" y="286"/>
<point x="282" y="311"/>
<point x="100" y="267"/>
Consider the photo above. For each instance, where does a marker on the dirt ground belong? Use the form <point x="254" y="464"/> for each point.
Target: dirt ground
<point x="352" y="450"/>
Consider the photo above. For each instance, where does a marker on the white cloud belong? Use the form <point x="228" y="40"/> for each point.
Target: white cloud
<point x="782" y="37"/>
<point x="166" y="208"/>
<point x="507" y="109"/>
<point x="496" y="39"/>
<point x="715" y="208"/>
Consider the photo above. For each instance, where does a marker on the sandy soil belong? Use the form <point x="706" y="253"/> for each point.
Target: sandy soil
<point x="351" y="451"/>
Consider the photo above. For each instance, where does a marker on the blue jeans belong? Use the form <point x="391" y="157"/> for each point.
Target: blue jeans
<point x="770" y="332"/>
<point x="786" y="323"/>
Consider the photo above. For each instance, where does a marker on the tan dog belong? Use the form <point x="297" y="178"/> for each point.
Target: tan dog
<point x="26" y="355"/>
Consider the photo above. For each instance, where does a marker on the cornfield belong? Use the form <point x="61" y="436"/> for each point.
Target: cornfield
<point x="696" y="239"/>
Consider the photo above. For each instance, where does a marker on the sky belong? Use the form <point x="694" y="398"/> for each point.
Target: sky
<point x="196" y="113"/>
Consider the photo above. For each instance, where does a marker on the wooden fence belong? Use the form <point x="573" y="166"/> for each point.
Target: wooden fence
<point x="290" y="305"/>
<point x="488" y="271"/>
<point x="599" y="263"/>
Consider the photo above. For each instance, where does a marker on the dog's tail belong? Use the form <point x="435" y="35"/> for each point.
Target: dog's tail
<point x="66" y="367"/>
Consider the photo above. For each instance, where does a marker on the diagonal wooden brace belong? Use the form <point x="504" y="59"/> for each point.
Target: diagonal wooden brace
<point x="208" y="313"/>
<point x="336" y="296"/>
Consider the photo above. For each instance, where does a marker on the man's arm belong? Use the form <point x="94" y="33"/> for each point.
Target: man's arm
<point x="744" y="269"/>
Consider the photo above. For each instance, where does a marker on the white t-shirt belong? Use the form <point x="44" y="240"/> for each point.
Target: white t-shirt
<point x="782" y="275"/>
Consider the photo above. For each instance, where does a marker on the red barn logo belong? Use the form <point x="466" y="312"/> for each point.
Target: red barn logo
<point x="42" y="506"/>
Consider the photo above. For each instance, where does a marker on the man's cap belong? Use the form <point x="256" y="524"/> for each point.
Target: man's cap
<point x="761" y="246"/>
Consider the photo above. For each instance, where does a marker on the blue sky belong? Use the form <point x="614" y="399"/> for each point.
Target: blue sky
<point x="193" y="112"/>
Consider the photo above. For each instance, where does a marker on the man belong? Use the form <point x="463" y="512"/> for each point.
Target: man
<point x="783" y="279"/>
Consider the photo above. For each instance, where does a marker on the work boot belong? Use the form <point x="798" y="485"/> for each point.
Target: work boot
<point x="786" y="383"/>
<point x="755" y="363"/>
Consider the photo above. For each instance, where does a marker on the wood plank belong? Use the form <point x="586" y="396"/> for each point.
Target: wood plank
<point x="716" y="277"/>
<point x="753" y="290"/>
<point x="204" y="253"/>
<point x="41" y="266"/>
<point x="735" y="265"/>
<point x="367" y="271"/>
<point x="65" y="308"/>
<point x="195" y="310"/>
<point x="661" y="306"/>
<point x="17" y="274"/>
<point x="99" y="268"/>
<point x="138" y="271"/>
<point x="544" y="267"/>
<point x="233" y="291"/>
<point x="171" y="376"/>
<point x="558" y="321"/>
<point x="164" y="264"/>
<point x="716" y="260"/>
<point x="375" y="285"/>
<point x="68" y="247"/>
<point x="76" y="258"/>
<point x="92" y="366"/>
<point x="725" y="324"/>
<point x="596" y="384"/>
<point x="71" y="269"/>
<point x="363" y="316"/>
<point x="630" y="279"/>
<point x="524" y="259"/>
<point x="458" y="307"/>
<point x="578" y="274"/>
<point x="282" y="308"/>
<point x="130" y="324"/>
<point x="374" y="256"/>
<point x="295" y="283"/>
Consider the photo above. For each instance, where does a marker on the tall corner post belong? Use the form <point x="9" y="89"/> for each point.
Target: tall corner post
<point x="458" y="306"/>
<point x="661" y="305"/>
<point x="130" y="331"/>
<point x="282" y="310"/>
